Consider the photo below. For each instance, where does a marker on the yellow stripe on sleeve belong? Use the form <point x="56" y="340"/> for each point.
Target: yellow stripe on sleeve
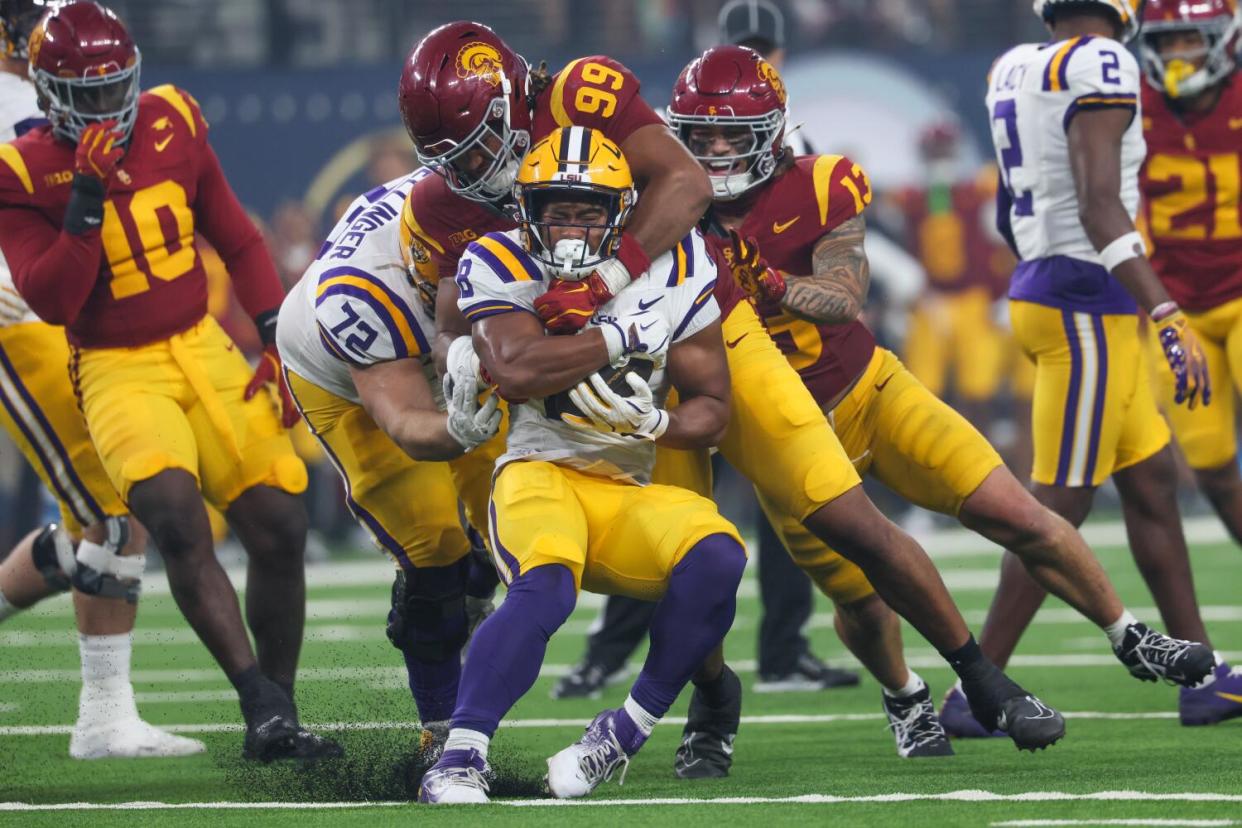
<point x="821" y="178"/>
<point x="1054" y="67"/>
<point x="506" y="257"/>
<point x="558" y="95"/>
<point x="398" y="316"/>
<point x="10" y="156"/>
<point x="177" y="101"/>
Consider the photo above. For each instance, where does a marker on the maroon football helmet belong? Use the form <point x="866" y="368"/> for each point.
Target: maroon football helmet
<point x="85" y="66"/>
<point x="463" y="99"/>
<point x="733" y="88"/>
<point x="1186" y="75"/>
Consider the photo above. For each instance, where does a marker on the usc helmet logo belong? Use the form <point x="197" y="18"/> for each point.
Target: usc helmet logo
<point x="35" y="42"/>
<point x="767" y="72"/>
<point x="480" y="60"/>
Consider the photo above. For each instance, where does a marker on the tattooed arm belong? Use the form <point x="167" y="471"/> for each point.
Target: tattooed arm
<point x="835" y="291"/>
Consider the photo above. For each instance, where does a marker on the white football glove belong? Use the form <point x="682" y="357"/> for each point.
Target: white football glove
<point x="469" y="423"/>
<point x="611" y="413"/>
<point x="463" y="363"/>
<point x="646" y="335"/>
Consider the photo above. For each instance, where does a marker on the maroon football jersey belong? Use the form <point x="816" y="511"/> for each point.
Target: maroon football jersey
<point x="149" y="281"/>
<point x="1191" y="197"/>
<point x="788" y="215"/>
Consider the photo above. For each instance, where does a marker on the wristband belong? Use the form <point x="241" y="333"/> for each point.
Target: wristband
<point x="1122" y="249"/>
<point x="85" y="210"/>
<point x="614" y="341"/>
<point x="1163" y="311"/>
<point x="632" y="256"/>
<point x="266" y="323"/>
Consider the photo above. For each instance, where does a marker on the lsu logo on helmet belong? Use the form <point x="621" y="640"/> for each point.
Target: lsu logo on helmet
<point x="767" y="72"/>
<point x="480" y="60"/>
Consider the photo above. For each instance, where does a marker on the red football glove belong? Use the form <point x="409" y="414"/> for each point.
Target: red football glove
<point x="268" y="371"/>
<point x="764" y="285"/>
<point x="568" y="306"/>
<point x="99" y="150"/>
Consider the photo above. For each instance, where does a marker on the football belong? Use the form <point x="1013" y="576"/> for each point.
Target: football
<point x="558" y="404"/>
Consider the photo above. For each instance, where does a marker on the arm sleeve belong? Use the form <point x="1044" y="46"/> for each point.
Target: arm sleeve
<point x="600" y="93"/>
<point x="486" y="286"/>
<point x="1099" y="73"/>
<point x="54" y="271"/>
<point x="222" y="220"/>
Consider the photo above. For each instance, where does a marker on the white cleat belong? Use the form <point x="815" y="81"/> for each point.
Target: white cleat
<point x="130" y="738"/>
<point x="580" y="768"/>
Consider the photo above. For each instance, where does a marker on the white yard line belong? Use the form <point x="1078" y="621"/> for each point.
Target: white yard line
<point x="970" y="796"/>
<point x="1187" y="823"/>
<point x="540" y="724"/>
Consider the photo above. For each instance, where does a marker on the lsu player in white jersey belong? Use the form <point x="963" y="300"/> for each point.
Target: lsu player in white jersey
<point x="572" y="504"/>
<point x="354" y="337"/>
<point x="41" y="415"/>
<point x="1069" y="141"/>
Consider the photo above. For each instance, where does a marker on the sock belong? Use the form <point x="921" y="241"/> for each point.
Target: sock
<point x="260" y="696"/>
<point x="982" y="682"/>
<point x="913" y="685"/>
<point x="644" y="721"/>
<point x="7" y="610"/>
<point x="1116" y="631"/>
<point x="287" y="686"/>
<point x="434" y="685"/>
<point x="715" y="692"/>
<point x="508" y="648"/>
<point x="693" y="616"/>
<point x="461" y="738"/>
<point x="107" y="694"/>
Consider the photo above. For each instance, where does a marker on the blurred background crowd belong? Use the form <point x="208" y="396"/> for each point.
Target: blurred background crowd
<point x="300" y="95"/>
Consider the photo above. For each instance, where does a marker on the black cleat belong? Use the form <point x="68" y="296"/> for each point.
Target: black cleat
<point x="1031" y="724"/>
<point x="586" y="681"/>
<point x="706" y="750"/>
<point x="810" y="673"/>
<point x="1151" y="656"/>
<point x="916" y="727"/>
<point x="280" y="737"/>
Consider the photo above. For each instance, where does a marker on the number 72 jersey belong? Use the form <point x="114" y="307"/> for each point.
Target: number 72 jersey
<point x="1034" y="92"/>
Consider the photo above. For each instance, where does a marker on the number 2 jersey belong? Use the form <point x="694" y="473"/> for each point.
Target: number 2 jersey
<point x="1191" y="197"/>
<point x="139" y="277"/>
<point x="355" y="305"/>
<point x="498" y="276"/>
<point x="1034" y="92"/>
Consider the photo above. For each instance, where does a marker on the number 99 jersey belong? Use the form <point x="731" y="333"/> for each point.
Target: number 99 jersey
<point x="1034" y="92"/>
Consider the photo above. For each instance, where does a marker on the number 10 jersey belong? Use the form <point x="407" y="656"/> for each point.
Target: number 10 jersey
<point x="1034" y="92"/>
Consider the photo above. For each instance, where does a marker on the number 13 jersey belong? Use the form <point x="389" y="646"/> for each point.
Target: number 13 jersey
<point x="1034" y="92"/>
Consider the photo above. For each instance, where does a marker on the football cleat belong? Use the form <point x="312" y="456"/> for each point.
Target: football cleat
<point x="604" y="748"/>
<point x="1214" y="702"/>
<point x="458" y="778"/>
<point x="129" y="738"/>
<point x="1031" y="724"/>
<point x="1151" y="656"/>
<point x="706" y="750"/>
<point x="959" y="722"/>
<point x="586" y="681"/>
<point x="810" y="673"/>
<point x="915" y="725"/>
<point x="279" y="737"/>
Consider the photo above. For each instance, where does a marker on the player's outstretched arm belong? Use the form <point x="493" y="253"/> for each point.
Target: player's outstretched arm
<point x="675" y="189"/>
<point x="398" y="397"/>
<point x="524" y="362"/>
<point x="835" y="291"/>
<point x="699" y="371"/>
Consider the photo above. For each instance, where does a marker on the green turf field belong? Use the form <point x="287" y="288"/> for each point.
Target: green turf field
<point x="806" y="757"/>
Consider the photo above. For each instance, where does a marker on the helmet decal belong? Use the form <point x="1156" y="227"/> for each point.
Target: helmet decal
<point x="767" y="72"/>
<point x="480" y="60"/>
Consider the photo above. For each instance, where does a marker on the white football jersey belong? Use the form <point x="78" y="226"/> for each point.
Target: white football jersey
<point x="19" y="110"/>
<point x="496" y="275"/>
<point x="355" y="304"/>
<point x="1034" y="91"/>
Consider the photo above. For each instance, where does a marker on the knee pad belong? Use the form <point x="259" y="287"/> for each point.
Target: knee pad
<point x="101" y="569"/>
<point x="428" y="615"/>
<point x="52" y="553"/>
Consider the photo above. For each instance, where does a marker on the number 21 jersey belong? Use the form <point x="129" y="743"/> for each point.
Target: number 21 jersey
<point x="1034" y="92"/>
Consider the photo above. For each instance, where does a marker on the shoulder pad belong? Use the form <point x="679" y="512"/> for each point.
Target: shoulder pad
<point x="842" y="189"/>
<point x="590" y="90"/>
<point x="182" y="103"/>
<point x="365" y="319"/>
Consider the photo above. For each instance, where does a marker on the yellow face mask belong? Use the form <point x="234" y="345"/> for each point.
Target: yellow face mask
<point x="1176" y="72"/>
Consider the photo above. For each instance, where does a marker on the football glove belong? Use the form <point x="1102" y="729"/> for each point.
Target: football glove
<point x="568" y="306"/>
<point x="462" y="364"/>
<point x="469" y="423"/>
<point x="99" y="150"/>
<point x="268" y="372"/>
<point x="646" y="334"/>
<point x="611" y="413"/>
<point x="1185" y="357"/>
<point x="763" y="284"/>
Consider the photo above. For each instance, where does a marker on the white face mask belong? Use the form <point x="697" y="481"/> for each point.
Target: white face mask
<point x="569" y="255"/>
